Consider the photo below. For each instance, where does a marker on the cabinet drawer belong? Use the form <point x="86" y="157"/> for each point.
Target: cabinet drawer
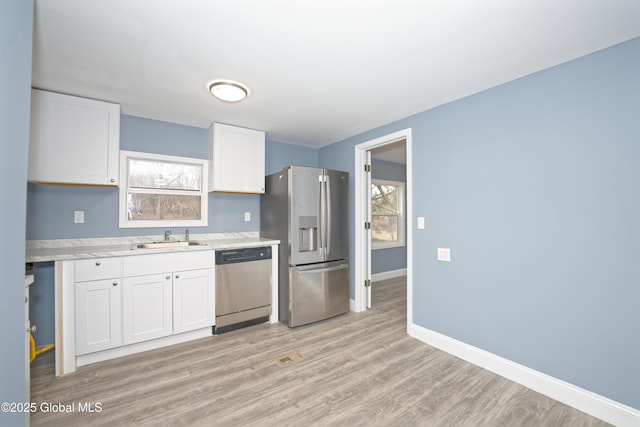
<point x="97" y="269"/>
<point x="139" y="265"/>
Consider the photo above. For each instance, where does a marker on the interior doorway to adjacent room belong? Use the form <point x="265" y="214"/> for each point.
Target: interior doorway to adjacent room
<point x="392" y="152"/>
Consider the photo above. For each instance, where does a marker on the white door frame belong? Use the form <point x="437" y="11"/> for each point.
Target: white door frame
<point x="361" y="249"/>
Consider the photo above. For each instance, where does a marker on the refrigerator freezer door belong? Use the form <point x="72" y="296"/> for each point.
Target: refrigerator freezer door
<point x="317" y="292"/>
<point x="305" y="213"/>
<point x="337" y="208"/>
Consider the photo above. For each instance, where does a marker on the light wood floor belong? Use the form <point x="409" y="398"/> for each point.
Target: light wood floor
<point x="358" y="369"/>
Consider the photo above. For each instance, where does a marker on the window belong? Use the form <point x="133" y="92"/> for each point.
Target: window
<point x="162" y="191"/>
<point x="387" y="214"/>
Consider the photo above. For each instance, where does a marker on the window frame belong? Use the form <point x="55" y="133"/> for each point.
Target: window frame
<point x="401" y="215"/>
<point x="125" y="222"/>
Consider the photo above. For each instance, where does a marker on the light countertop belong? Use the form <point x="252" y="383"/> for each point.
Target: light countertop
<point x="70" y="249"/>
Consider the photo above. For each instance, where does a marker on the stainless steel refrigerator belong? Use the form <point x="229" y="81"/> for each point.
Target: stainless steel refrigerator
<point x="307" y="209"/>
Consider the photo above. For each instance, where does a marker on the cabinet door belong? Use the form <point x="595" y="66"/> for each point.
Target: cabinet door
<point x="146" y="307"/>
<point x="98" y="315"/>
<point x="73" y="140"/>
<point x="193" y="300"/>
<point x="236" y="157"/>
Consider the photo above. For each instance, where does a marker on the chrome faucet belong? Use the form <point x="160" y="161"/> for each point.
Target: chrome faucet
<point x="186" y="235"/>
<point x="167" y="235"/>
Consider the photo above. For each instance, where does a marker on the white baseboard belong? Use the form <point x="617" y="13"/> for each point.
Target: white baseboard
<point x="389" y="274"/>
<point x="593" y="404"/>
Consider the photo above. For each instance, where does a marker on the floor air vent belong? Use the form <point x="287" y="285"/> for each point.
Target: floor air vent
<point x="288" y="360"/>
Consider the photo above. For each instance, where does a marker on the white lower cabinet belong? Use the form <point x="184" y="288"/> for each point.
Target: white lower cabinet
<point x="158" y="305"/>
<point x="116" y="306"/>
<point x="153" y="296"/>
<point x="193" y="300"/>
<point x="146" y="307"/>
<point x="98" y="307"/>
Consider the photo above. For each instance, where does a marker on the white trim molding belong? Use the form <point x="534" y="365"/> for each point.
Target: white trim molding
<point x="162" y="189"/>
<point x="591" y="403"/>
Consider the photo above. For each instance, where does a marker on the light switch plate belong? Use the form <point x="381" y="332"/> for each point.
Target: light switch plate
<point x="444" y="254"/>
<point x="420" y="223"/>
<point x="247" y="216"/>
<point x="78" y="217"/>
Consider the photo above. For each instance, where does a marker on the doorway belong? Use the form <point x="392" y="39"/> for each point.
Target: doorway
<point x="362" y="264"/>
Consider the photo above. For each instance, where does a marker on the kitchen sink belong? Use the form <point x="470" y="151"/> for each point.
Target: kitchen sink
<point x="164" y="244"/>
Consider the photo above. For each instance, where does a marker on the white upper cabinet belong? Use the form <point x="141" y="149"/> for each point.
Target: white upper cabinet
<point x="236" y="159"/>
<point x="73" y="140"/>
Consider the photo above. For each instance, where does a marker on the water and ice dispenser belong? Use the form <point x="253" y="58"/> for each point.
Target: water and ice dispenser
<point x="308" y="233"/>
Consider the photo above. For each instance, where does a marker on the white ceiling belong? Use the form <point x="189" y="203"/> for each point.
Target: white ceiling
<point x="319" y="71"/>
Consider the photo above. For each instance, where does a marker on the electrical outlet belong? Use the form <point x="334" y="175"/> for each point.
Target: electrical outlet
<point x="420" y="223"/>
<point x="78" y="217"/>
<point x="444" y="254"/>
<point x="247" y="216"/>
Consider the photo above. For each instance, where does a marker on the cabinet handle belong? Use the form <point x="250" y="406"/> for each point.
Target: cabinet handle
<point x="113" y="180"/>
<point x="168" y="277"/>
<point x="115" y="283"/>
<point x="177" y="276"/>
<point x="31" y="329"/>
<point x="98" y="263"/>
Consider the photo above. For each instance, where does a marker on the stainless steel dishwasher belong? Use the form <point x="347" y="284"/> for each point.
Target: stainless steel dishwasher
<point x="243" y="288"/>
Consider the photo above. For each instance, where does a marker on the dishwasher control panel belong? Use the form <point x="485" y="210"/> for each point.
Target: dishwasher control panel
<point x="230" y="256"/>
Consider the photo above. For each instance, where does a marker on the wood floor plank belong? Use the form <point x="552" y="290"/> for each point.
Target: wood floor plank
<point x="358" y="369"/>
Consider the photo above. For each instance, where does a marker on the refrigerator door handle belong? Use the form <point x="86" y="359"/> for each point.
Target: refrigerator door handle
<point x="320" y="270"/>
<point x="321" y="213"/>
<point x="328" y="217"/>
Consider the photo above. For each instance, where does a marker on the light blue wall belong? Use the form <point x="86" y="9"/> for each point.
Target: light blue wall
<point x="50" y="208"/>
<point x="390" y="259"/>
<point x="534" y="187"/>
<point x="16" y="27"/>
<point x="279" y="155"/>
<point x="154" y="136"/>
<point x="390" y="171"/>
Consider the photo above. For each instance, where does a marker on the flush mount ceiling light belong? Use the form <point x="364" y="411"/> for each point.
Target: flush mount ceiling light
<point x="228" y="91"/>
